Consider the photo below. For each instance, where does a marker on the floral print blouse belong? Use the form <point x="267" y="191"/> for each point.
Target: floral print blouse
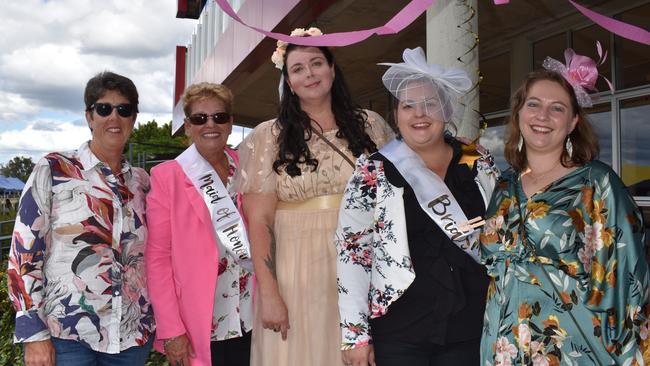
<point x="569" y="280"/>
<point x="233" y="300"/>
<point x="76" y="268"/>
<point x="374" y="265"/>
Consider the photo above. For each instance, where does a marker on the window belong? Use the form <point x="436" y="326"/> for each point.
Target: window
<point x="600" y="117"/>
<point x="493" y="138"/>
<point x="494" y="91"/>
<point x="550" y="47"/>
<point x="635" y="144"/>
<point x="633" y="58"/>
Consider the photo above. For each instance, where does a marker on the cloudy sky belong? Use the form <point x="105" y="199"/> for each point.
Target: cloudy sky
<point x="50" y="48"/>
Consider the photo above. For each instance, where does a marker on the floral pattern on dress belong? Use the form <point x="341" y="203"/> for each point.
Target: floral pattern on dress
<point x="76" y="268"/>
<point x="233" y="300"/>
<point x="590" y="305"/>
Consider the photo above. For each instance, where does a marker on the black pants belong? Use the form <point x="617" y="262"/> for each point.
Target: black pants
<point x="232" y="352"/>
<point x="397" y="353"/>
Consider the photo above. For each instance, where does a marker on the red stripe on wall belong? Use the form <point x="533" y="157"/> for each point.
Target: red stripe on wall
<point x="179" y="84"/>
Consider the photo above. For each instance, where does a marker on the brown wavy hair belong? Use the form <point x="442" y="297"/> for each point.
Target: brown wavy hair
<point x="583" y="137"/>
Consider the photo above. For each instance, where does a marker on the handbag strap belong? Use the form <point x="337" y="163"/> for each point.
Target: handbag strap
<point x="331" y="144"/>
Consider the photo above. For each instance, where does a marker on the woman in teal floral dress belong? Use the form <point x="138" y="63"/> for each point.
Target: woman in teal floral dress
<point x="563" y="242"/>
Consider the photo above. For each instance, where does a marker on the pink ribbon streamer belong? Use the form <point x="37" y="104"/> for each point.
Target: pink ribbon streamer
<point x="401" y="20"/>
<point x="617" y="27"/>
<point x="416" y="7"/>
<point x="622" y="29"/>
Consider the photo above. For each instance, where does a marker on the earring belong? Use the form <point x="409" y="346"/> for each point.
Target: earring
<point x="292" y="92"/>
<point x="569" y="146"/>
<point x="520" y="145"/>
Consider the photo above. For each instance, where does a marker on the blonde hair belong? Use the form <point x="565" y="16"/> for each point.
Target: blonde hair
<point x="204" y="90"/>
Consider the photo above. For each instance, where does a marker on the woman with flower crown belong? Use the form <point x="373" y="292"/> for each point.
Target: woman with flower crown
<point x="411" y="285"/>
<point x="293" y="170"/>
<point x="563" y="242"/>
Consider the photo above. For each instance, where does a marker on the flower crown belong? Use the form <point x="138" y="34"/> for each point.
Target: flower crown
<point x="581" y="72"/>
<point x="278" y="55"/>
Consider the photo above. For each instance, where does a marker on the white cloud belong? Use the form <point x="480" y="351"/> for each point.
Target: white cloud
<point x="160" y="118"/>
<point x="50" y="48"/>
<point x="14" y="107"/>
<point x="494" y="140"/>
<point x="55" y="46"/>
<point x="40" y="137"/>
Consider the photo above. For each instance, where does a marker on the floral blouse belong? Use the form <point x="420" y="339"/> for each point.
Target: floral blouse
<point x="76" y="268"/>
<point x="234" y="287"/>
<point x="569" y="283"/>
<point x="374" y="265"/>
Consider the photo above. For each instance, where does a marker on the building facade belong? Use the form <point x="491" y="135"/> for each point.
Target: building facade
<point x="511" y="40"/>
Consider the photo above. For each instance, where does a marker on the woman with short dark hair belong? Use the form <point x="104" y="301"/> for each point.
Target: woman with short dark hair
<point x="76" y="268"/>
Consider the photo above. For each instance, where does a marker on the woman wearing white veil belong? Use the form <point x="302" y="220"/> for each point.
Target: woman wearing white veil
<point x="411" y="289"/>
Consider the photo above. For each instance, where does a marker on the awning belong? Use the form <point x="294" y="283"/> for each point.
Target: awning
<point x="10" y="184"/>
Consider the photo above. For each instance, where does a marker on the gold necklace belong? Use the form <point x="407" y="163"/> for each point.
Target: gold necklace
<point x="537" y="177"/>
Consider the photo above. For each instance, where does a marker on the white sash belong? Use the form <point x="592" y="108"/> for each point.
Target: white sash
<point x="433" y="196"/>
<point x="228" y="224"/>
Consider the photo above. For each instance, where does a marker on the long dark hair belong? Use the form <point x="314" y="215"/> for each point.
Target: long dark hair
<point x="295" y="124"/>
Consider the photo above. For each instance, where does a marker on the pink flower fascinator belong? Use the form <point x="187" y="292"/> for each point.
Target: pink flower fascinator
<point x="581" y="72"/>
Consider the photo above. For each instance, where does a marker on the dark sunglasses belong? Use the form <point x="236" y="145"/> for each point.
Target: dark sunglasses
<point x="105" y="109"/>
<point x="202" y="118"/>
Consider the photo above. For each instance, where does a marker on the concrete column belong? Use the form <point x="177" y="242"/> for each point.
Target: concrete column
<point x="446" y="42"/>
<point x="521" y="60"/>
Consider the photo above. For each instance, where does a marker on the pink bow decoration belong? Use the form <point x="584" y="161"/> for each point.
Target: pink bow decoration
<point x="580" y="71"/>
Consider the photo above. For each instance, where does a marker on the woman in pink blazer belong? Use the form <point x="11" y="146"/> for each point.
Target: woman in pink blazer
<point x="198" y="262"/>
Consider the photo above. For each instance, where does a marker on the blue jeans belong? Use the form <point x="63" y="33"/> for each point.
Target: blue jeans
<point x="73" y="353"/>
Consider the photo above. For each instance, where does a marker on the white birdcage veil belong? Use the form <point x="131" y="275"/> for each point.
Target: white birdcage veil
<point x="437" y="91"/>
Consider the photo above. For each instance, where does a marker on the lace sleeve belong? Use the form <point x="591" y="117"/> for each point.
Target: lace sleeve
<point x="257" y="153"/>
<point x="378" y="129"/>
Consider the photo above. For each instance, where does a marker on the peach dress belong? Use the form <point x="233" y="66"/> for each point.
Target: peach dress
<point x="305" y="253"/>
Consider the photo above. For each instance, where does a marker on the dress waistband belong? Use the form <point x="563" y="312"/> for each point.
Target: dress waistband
<point x="316" y="203"/>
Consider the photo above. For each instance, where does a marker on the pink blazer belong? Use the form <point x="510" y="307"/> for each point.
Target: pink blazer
<point x="181" y="259"/>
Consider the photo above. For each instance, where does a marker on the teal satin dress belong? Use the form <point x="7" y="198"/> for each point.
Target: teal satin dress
<point x="569" y="282"/>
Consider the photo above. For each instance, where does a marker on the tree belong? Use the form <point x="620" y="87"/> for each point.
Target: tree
<point x="20" y="167"/>
<point x="152" y="142"/>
